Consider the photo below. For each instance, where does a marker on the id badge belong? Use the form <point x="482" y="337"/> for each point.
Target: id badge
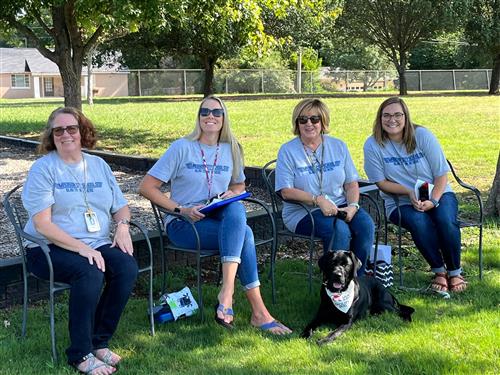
<point x="91" y="221"/>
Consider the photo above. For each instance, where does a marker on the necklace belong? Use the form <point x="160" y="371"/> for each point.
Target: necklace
<point x="316" y="164"/>
<point x="209" y="177"/>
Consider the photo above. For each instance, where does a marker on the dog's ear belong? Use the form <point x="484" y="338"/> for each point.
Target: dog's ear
<point x="356" y="263"/>
<point x="324" y="260"/>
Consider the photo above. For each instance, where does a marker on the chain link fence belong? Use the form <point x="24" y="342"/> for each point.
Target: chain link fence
<point x="253" y="81"/>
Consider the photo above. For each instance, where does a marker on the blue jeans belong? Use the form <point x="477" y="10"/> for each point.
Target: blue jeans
<point x="436" y="233"/>
<point x="93" y="316"/>
<point x="225" y="230"/>
<point x="357" y="235"/>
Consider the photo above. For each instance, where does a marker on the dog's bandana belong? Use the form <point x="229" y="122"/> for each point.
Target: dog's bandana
<point x="343" y="300"/>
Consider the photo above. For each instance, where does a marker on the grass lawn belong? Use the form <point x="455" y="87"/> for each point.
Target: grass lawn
<point x="448" y="336"/>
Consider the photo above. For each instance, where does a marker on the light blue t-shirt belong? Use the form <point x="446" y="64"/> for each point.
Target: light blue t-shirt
<point x="295" y="169"/>
<point x="391" y="162"/>
<point x="53" y="183"/>
<point x="182" y="165"/>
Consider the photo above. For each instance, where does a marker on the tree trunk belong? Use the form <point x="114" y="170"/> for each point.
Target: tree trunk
<point x="401" y="68"/>
<point x="208" y="85"/>
<point x="492" y="207"/>
<point x="71" y="77"/>
<point x="495" y="77"/>
<point x="90" y="88"/>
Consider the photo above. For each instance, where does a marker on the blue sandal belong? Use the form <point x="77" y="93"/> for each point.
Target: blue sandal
<point x="228" y="311"/>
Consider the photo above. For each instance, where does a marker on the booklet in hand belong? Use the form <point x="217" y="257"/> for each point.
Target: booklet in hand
<point x="219" y="202"/>
<point x="423" y="190"/>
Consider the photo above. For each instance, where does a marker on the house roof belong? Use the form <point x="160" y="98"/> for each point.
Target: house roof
<point x="22" y="60"/>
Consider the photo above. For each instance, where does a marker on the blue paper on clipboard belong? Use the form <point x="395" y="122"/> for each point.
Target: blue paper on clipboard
<point x="217" y="203"/>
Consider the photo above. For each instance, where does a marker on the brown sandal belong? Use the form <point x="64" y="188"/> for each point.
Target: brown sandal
<point x="439" y="282"/>
<point x="459" y="286"/>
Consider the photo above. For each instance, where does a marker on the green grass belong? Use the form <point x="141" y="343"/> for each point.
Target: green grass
<point x="467" y="126"/>
<point x="455" y="336"/>
<point x="447" y="336"/>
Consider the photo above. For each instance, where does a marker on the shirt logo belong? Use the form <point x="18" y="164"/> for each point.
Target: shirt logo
<point x="407" y="160"/>
<point x="200" y="168"/>
<point x="71" y="187"/>
<point x="327" y="167"/>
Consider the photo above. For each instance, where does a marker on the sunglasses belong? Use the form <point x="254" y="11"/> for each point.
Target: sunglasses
<point x="71" y="129"/>
<point x="217" y="112"/>
<point x="303" y="119"/>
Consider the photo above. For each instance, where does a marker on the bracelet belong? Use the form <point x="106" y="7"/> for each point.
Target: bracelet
<point x="123" y="221"/>
<point x="354" y="204"/>
<point x="434" y="202"/>
<point x="315" y="200"/>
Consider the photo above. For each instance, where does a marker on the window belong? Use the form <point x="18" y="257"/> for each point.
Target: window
<point x="20" y="81"/>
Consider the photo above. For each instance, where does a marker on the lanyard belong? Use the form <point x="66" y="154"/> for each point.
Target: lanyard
<point x="210" y="177"/>
<point x="84" y="182"/>
<point x="316" y="163"/>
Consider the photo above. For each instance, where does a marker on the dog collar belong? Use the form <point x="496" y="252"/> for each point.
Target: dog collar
<point x="342" y="301"/>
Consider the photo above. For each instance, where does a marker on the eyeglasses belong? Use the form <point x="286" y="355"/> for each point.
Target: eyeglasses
<point x="397" y="116"/>
<point x="216" y="112"/>
<point x="71" y="129"/>
<point x="303" y="119"/>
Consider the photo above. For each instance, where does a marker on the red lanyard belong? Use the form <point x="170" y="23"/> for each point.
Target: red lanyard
<point x="210" y="177"/>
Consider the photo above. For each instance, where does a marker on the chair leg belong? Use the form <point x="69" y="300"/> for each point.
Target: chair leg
<point x="200" y="296"/>
<point x="25" y="304"/>
<point x="311" y="250"/>
<point x="151" y="312"/>
<point x="163" y="270"/>
<point x="273" y="265"/>
<point x="52" y="325"/>
<point x="400" y="257"/>
<point x="480" y="250"/>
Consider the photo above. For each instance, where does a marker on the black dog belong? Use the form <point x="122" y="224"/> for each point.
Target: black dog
<point x="346" y="298"/>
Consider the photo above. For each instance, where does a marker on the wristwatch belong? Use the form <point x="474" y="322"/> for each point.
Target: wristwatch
<point x="434" y="202"/>
<point x="354" y="204"/>
<point x="123" y="221"/>
<point x="177" y="209"/>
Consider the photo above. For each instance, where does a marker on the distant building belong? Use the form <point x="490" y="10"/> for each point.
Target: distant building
<point x="26" y="73"/>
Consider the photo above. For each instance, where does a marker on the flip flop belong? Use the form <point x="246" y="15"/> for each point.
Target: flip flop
<point x="229" y="311"/>
<point x="273" y="324"/>
<point x="107" y="358"/>
<point x="91" y="365"/>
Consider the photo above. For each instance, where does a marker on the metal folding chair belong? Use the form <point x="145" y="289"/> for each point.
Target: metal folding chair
<point x="18" y="217"/>
<point x="200" y="253"/>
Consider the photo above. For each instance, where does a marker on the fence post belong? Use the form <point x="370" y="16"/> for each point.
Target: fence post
<point x="487" y="79"/>
<point x="139" y="82"/>
<point x="420" y="80"/>
<point x="454" y="80"/>
<point x="226" y="84"/>
<point x="312" y="82"/>
<point x="346" y="81"/>
<point x="262" y="81"/>
<point x="184" y="79"/>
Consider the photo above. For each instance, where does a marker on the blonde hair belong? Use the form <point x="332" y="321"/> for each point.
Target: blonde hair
<point x="88" y="136"/>
<point x="225" y="136"/>
<point x="306" y="105"/>
<point x="380" y="134"/>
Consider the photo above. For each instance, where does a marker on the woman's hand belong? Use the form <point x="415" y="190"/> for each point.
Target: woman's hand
<point x="192" y="212"/>
<point x="327" y="207"/>
<point x="93" y="256"/>
<point x="227" y="194"/>
<point x="122" y="239"/>
<point x="417" y="204"/>
<point x="350" y="211"/>
<point x="426" y="205"/>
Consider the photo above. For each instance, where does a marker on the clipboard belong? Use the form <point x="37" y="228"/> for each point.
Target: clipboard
<point x="221" y="203"/>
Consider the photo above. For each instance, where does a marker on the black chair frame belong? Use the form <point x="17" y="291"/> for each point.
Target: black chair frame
<point x="17" y="216"/>
<point x="166" y="245"/>
<point x="268" y="174"/>
<point x="463" y="224"/>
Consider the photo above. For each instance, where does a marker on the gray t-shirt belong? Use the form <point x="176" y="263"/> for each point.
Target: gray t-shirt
<point x="393" y="163"/>
<point x="295" y="169"/>
<point x="182" y="165"/>
<point x="53" y="183"/>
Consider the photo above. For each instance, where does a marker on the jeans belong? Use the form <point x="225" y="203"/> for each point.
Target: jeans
<point x="357" y="235"/>
<point x="436" y="233"/>
<point x="93" y="316"/>
<point x="225" y="230"/>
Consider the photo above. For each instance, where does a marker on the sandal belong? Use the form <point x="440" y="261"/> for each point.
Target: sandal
<point x="458" y="286"/>
<point x="439" y="282"/>
<point x="107" y="357"/>
<point x="229" y="311"/>
<point x="93" y="364"/>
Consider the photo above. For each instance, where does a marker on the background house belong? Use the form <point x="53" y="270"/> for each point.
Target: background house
<point x="26" y="73"/>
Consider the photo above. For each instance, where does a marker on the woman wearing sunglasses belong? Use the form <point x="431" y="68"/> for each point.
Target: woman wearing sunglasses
<point x="206" y="163"/>
<point x="317" y="169"/>
<point x="397" y="156"/>
<point x="70" y="197"/>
